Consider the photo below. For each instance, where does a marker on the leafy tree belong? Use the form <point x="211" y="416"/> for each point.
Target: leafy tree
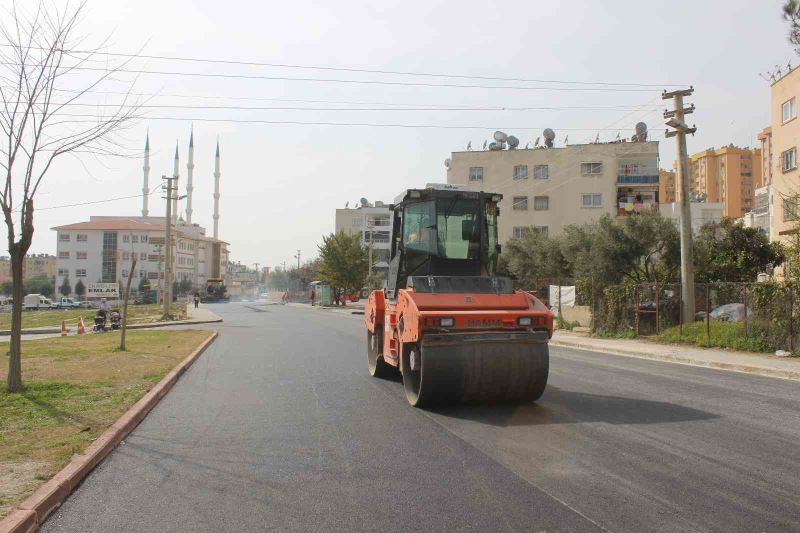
<point x="80" y="288"/>
<point x="42" y="284"/>
<point x="143" y="285"/>
<point x="7" y="288"/>
<point x="66" y="288"/>
<point x="535" y="256"/>
<point x="727" y="251"/>
<point x="791" y="13"/>
<point x="343" y="263"/>
<point x="644" y="247"/>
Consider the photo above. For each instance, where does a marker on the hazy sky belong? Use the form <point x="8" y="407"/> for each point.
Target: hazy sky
<point x="281" y="183"/>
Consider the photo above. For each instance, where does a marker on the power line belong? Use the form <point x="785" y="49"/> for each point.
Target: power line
<point x="346" y="102"/>
<point x="321" y="123"/>
<point x="353" y="69"/>
<point x="336" y="80"/>
<point x="298" y="108"/>
<point x="96" y="201"/>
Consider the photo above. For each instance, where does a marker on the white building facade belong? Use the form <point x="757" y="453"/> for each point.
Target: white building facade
<point x="374" y="225"/>
<point x="103" y="248"/>
<point x="701" y="213"/>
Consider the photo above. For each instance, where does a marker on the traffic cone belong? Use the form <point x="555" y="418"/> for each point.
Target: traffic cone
<point x="81" y="327"/>
<point x="63" y="328"/>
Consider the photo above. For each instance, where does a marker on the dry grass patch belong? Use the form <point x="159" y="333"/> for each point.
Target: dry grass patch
<point x="75" y="388"/>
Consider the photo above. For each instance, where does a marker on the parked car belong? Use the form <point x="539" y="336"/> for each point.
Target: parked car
<point x="66" y="303"/>
<point x="37" y="301"/>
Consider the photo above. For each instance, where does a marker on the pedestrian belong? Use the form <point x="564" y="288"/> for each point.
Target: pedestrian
<point x="196" y="300"/>
<point x="313" y="295"/>
<point x="285" y="298"/>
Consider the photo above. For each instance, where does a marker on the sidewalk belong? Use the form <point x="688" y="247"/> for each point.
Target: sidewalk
<point x="752" y="363"/>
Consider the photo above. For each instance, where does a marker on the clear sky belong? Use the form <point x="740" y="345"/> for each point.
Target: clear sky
<point x="281" y="182"/>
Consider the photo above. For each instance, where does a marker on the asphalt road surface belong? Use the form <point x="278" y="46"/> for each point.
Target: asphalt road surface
<point x="278" y="426"/>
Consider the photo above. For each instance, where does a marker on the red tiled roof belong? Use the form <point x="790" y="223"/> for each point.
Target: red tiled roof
<point x="123" y="224"/>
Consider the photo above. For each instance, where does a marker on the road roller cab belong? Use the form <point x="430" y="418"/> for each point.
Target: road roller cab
<point x="456" y="330"/>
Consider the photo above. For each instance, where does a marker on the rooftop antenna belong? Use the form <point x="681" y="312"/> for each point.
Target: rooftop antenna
<point x="536" y="144"/>
<point x="597" y="138"/>
<point x="469" y="146"/>
<point x="527" y="145"/>
<point x="617" y="135"/>
<point x="484" y="144"/>
<point x="566" y="140"/>
<point x="347" y="205"/>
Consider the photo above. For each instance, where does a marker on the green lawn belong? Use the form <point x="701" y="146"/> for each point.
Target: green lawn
<point x="52" y="318"/>
<point x="75" y="388"/>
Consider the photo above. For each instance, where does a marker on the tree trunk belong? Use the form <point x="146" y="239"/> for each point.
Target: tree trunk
<point x="125" y="306"/>
<point x="15" y="353"/>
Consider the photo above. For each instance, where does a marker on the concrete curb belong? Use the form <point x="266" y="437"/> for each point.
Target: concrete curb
<point x="33" y="331"/>
<point x="746" y="369"/>
<point x="33" y="511"/>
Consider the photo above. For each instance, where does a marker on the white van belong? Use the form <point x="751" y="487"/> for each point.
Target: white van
<point x="37" y="301"/>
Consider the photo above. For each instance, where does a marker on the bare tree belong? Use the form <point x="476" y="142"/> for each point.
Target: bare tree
<point x="42" y="73"/>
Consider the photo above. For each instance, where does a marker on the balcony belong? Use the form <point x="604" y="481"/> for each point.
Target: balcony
<point x="633" y="179"/>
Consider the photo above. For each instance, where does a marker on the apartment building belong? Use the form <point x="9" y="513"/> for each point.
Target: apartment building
<point x="36" y="265"/>
<point x="667" y="193"/>
<point x="549" y="188"/>
<point x="103" y="248"/>
<point x="785" y="137"/>
<point x="728" y="175"/>
<point x="374" y="224"/>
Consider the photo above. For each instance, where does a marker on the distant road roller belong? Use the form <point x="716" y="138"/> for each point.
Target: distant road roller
<point x="455" y="330"/>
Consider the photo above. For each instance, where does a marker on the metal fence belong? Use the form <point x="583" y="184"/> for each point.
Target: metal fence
<point x="757" y="316"/>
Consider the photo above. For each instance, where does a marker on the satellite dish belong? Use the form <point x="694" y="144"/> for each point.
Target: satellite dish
<point x="500" y="137"/>
<point x="641" y="131"/>
<point x="495" y="146"/>
<point x="364" y="202"/>
<point x="549" y="137"/>
<point x="447" y="164"/>
<point x="536" y="144"/>
<point x="513" y="142"/>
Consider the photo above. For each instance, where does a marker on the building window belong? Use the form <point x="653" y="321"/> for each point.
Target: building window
<point x="126" y="256"/>
<point x="81" y="237"/>
<point x="63" y="237"/>
<point x="541" y="172"/>
<point x="124" y="273"/>
<point x="63" y="255"/>
<point x="592" y="200"/>
<point x="520" y="203"/>
<point x="63" y="272"/>
<point x="144" y="238"/>
<point x="80" y="255"/>
<point x="789" y="110"/>
<point x="109" y="267"/>
<point x="143" y="256"/>
<point x="591" y="169"/>
<point x="475" y="173"/>
<point x="790" y="208"/>
<point x="541" y="230"/>
<point x="356" y="222"/>
<point x="789" y="159"/>
<point x="541" y="203"/>
<point x="80" y="273"/>
<point x="135" y="238"/>
<point x="125" y="238"/>
<point x="519" y="232"/>
<point x="520" y="172"/>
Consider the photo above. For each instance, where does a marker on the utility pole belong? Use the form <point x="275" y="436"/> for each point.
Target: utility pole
<point x="298" y="259"/>
<point x="168" y="245"/>
<point x="371" y="232"/>
<point x="675" y="120"/>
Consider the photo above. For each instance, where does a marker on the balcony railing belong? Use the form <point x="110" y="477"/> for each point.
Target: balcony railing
<point x="637" y="180"/>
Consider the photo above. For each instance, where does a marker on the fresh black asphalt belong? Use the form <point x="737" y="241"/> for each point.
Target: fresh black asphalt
<point x="279" y="427"/>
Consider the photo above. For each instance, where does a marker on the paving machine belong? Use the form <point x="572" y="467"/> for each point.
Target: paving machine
<point x="456" y="330"/>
